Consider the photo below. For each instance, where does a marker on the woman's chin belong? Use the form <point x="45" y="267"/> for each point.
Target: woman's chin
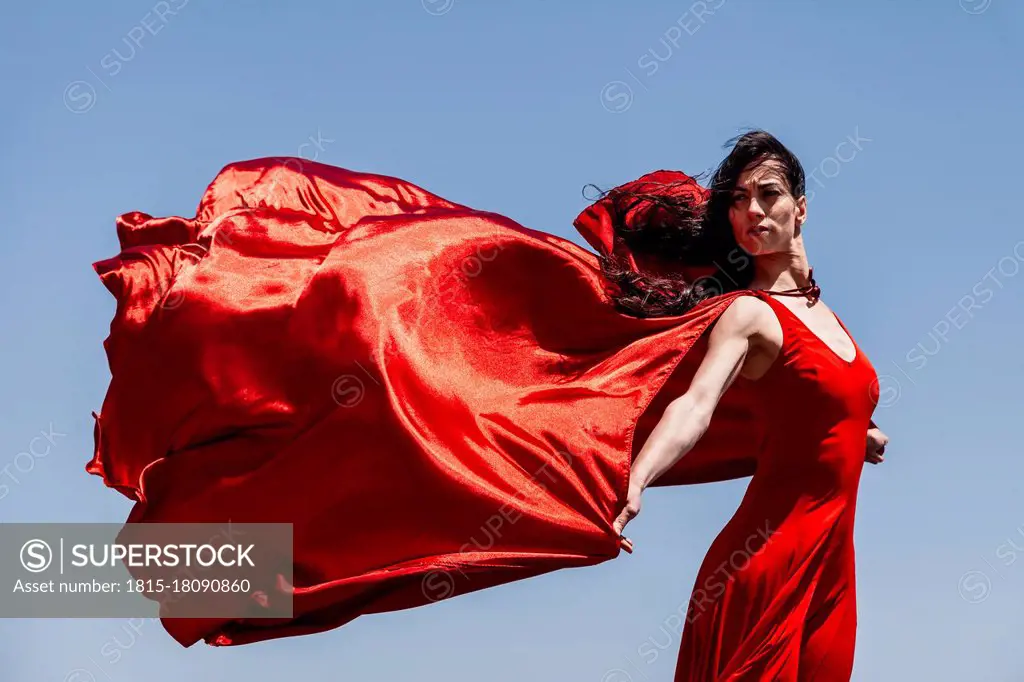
<point x="756" y="247"/>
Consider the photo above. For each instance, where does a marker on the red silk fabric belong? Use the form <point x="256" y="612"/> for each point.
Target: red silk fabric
<point x="601" y="223"/>
<point x="439" y="399"/>
<point x="775" y="597"/>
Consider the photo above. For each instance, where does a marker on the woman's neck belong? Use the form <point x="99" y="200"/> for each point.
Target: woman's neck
<point x="781" y="271"/>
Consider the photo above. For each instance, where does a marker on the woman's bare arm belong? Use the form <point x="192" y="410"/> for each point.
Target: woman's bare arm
<point x="687" y="417"/>
<point x="732" y="340"/>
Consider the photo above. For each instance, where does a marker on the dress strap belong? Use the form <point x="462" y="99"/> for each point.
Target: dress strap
<point x="783" y="317"/>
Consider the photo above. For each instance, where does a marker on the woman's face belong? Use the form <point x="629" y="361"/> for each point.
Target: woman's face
<point x="763" y="213"/>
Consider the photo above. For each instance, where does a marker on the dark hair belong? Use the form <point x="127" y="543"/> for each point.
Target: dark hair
<point x="690" y="234"/>
<point x="667" y="226"/>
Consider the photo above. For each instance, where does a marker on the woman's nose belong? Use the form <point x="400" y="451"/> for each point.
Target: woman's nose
<point x="754" y="209"/>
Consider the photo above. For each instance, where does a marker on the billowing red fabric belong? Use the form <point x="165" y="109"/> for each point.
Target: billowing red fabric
<point x="439" y="399"/>
<point x="628" y="205"/>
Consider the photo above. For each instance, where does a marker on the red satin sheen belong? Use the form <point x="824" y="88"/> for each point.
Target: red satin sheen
<point x="775" y="598"/>
<point x="601" y="222"/>
<point x="439" y="399"/>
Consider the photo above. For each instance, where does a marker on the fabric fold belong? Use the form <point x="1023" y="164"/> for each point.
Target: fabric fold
<point x="438" y="399"/>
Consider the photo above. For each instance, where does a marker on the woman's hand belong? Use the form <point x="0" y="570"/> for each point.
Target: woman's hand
<point x="877" y="441"/>
<point x="628" y="513"/>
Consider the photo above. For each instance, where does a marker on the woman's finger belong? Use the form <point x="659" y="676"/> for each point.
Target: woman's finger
<point x="626" y="543"/>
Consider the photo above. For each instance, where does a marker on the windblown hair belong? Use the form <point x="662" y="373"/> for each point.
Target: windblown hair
<point x="678" y="230"/>
<point x="668" y="227"/>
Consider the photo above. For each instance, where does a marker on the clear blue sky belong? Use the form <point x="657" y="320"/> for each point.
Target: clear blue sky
<point x="513" y="107"/>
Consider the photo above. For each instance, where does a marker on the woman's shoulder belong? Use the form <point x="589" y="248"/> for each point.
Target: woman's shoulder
<point x="748" y="306"/>
<point x="747" y="314"/>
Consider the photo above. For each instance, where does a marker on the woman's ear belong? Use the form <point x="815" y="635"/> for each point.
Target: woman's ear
<point x="801" y="210"/>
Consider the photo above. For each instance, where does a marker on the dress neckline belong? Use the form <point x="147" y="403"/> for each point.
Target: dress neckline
<point x="835" y="354"/>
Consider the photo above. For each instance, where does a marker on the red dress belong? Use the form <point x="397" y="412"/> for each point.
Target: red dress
<point x="438" y="399"/>
<point x="775" y="598"/>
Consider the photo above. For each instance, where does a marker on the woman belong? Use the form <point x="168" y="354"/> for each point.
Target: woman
<point x="437" y="399"/>
<point x="775" y="596"/>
